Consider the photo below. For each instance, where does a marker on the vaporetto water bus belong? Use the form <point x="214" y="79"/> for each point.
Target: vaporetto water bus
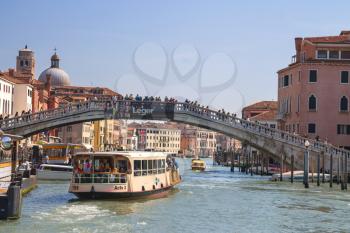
<point x="123" y="174"/>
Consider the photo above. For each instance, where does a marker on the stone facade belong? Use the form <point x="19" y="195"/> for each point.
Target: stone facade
<point x="197" y="142"/>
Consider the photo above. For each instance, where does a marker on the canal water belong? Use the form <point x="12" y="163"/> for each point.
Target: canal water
<point x="212" y="201"/>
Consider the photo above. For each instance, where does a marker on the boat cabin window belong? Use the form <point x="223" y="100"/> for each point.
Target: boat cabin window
<point x="121" y="166"/>
<point x="144" y="167"/>
<point x="83" y="164"/>
<point x="137" y="167"/>
<point x="103" y="164"/>
<point x="149" y="167"/>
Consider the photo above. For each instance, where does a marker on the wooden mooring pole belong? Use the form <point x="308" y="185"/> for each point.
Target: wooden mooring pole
<point x="251" y="162"/>
<point x="281" y="168"/>
<point x="318" y="168"/>
<point x="331" y="172"/>
<point x="262" y="164"/>
<point x="292" y="169"/>
<point x="323" y="168"/>
<point x="239" y="161"/>
<point x="346" y="176"/>
<point x="232" y="162"/>
<point x="338" y="170"/>
<point x="306" y="168"/>
<point x="247" y="161"/>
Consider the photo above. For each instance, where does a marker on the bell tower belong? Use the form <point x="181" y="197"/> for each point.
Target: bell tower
<point x="25" y="62"/>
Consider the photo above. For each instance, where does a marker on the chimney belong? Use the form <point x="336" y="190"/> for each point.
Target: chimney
<point x="298" y="42"/>
<point x="343" y="33"/>
<point x="12" y="72"/>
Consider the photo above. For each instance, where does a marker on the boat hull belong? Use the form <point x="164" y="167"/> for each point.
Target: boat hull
<point x="53" y="175"/>
<point x="198" y="169"/>
<point x="157" y="193"/>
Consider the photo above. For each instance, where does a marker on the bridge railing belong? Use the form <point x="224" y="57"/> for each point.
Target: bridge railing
<point x="259" y="129"/>
<point x="194" y="110"/>
<point x="71" y="109"/>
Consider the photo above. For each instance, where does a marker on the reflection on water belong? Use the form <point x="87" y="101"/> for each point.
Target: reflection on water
<point x="212" y="201"/>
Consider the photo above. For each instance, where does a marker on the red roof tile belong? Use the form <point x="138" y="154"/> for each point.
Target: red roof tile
<point x="265" y="116"/>
<point x="329" y="39"/>
<point x="262" y="105"/>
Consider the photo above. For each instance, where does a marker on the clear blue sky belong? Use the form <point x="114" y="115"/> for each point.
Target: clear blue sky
<point x="96" y="40"/>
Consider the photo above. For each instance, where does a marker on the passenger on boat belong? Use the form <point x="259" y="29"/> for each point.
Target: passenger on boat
<point x="87" y="166"/>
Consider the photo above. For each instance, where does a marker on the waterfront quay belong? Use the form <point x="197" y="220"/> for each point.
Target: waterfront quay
<point x="216" y="200"/>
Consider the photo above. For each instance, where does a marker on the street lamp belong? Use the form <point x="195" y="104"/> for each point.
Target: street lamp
<point x="306" y="164"/>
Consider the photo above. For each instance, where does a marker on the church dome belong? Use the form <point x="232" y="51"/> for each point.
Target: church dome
<point x="58" y="76"/>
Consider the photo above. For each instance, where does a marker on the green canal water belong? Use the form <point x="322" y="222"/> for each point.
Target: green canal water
<point x="212" y="201"/>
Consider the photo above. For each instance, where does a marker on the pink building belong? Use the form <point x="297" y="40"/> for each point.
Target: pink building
<point x="314" y="90"/>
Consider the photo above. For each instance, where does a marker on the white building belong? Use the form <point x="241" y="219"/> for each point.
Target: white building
<point x="6" y="96"/>
<point x="159" y="138"/>
<point x="22" y="98"/>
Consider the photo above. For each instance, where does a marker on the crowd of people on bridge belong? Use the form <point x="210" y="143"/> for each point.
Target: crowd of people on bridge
<point x="145" y="98"/>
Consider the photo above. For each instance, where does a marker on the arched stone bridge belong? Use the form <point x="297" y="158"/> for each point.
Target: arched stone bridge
<point x="270" y="141"/>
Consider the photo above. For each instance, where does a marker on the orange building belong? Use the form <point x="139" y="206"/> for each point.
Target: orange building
<point x="313" y="91"/>
<point x="258" y="108"/>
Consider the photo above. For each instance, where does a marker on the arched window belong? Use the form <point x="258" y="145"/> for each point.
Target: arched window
<point x="344" y="104"/>
<point x="312" y="103"/>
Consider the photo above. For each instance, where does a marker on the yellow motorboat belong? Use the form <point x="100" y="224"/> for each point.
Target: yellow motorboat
<point x="198" y="165"/>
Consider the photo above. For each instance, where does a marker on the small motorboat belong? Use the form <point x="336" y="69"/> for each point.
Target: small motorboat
<point x="54" y="172"/>
<point x="297" y="176"/>
<point x="198" y="165"/>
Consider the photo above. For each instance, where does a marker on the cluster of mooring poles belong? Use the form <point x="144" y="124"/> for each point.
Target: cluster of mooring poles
<point x="247" y="162"/>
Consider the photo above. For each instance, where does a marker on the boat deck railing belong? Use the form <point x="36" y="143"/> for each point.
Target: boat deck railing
<point x="100" y="178"/>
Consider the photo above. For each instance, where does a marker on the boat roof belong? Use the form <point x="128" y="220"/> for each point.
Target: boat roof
<point x="63" y="146"/>
<point x="128" y="154"/>
<point x="55" y="165"/>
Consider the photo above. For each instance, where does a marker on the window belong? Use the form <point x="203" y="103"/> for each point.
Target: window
<point x="333" y="54"/>
<point x="312" y="103"/>
<point x="322" y="54"/>
<point x="313" y="76"/>
<point x="69" y="128"/>
<point x="298" y="103"/>
<point x="311" y="128"/>
<point x="155" y="164"/>
<point x="285" y="81"/>
<point x="344" y="77"/>
<point x="344" y="104"/>
<point x="345" y="54"/>
<point x="343" y="129"/>
<point x="150" y="167"/>
<point x="21" y="63"/>
<point x="137" y="167"/>
<point x="299" y="75"/>
<point x="144" y="167"/>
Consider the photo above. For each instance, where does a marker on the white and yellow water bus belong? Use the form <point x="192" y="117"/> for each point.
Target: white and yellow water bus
<point x="123" y="174"/>
<point x="198" y="165"/>
<point x="59" y="153"/>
